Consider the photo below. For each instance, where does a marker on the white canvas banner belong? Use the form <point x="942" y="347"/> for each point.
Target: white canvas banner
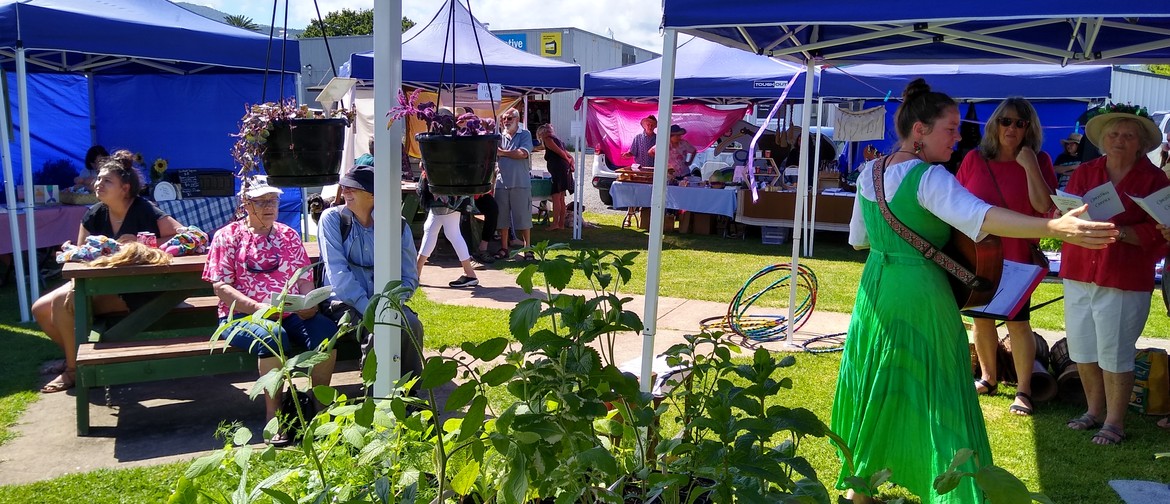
<point x="860" y="126"/>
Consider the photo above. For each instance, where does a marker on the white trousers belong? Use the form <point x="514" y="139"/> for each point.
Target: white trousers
<point x="449" y="224"/>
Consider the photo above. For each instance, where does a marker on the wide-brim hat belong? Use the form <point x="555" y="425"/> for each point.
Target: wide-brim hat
<point x="677" y="130"/>
<point x="1097" y="126"/>
<point x="258" y="186"/>
<point x="1072" y="138"/>
<point x="361" y="177"/>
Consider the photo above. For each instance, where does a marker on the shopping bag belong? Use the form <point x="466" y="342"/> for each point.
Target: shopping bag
<point x="1151" y="382"/>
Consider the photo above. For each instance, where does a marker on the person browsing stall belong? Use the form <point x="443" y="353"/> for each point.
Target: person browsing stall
<point x="682" y="153"/>
<point x="514" y="182"/>
<point x="250" y="259"/>
<point x="346" y="235"/>
<point x="560" y="165"/>
<point x="1107" y="292"/>
<point x="120" y="213"/>
<point x="1009" y="170"/>
<point x="904" y="400"/>
<point x="1068" y="160"/>
<point x="643" y="142"/>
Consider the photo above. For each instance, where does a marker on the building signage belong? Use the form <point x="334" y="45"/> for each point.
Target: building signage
<point x="517" y="40"/>
<point x="550" y="44"/>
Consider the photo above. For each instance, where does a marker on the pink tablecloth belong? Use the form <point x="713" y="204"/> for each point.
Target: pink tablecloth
<point x="55" y="225"/>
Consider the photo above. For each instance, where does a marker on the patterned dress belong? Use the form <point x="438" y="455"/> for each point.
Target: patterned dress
<point x="904" y="398"/>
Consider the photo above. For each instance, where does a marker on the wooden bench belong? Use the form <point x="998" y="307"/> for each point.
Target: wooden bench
<point x="169" y="337"/>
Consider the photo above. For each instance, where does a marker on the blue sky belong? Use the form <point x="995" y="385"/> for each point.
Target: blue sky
<point x="637" y="24"/>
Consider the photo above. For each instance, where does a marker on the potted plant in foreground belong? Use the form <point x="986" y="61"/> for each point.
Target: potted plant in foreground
<point x="458" y="153"/>
<point x="297" y="146"/>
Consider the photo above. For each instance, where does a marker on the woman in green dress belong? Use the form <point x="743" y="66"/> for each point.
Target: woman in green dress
<point x="904" y="400"/>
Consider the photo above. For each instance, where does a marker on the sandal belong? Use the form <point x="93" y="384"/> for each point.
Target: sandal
<point x="529" y="256"/>
<point x="280" y="440"/>
<point x="64" y="381"/>
<point x="1022" y="410"/>
<point x="989" y="389"/>
<point x="502" y="254"/>
<point x="1083" y="422"/>
<point x="1109" y="435"/>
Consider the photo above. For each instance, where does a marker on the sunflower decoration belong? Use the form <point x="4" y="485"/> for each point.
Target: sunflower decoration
<point x="158" y="169"/>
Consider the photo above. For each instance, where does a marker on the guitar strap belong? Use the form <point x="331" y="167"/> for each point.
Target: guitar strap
<point x="916" y="240"/>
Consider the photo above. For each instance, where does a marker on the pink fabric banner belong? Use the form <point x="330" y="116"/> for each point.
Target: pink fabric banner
<point x="611" y="124"/>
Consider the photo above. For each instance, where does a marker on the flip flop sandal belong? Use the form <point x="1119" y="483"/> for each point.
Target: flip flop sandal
<point x="1022" y="410"/>
<point x="280" y="440"/>
<point x="502" y="254"/>
<point x="1083" y="422"/>
<point x="1110" y="434"/>
<point x="529" y="256"/>
<point x="989" y="389"/>
<point x="61" y="383"/>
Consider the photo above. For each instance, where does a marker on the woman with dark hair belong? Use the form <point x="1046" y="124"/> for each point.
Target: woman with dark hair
<point x="560" y="165"/>
<point x="120" y="213"/>
<point x="904" y="400"/>
<point x="1010" y="171"/>
<point x="93" y="158"/>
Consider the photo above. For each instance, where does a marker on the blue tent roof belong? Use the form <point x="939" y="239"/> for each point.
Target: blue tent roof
<point x="974" y="82"/>
<point x="424" y="63"/>
<point x="704" y="70"/>
<point x="132" y="36"/>
<point x="911" y="31"/>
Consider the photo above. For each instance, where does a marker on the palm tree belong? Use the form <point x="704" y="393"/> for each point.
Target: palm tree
<point x="241" y="21"/>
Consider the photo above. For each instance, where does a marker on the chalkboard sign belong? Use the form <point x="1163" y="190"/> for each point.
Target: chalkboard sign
<point x="189" y="183"/>
<point x="206" y="182"/>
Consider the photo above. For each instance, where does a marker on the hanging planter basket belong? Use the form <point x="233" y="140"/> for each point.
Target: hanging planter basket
<point x="459" y="165"/>
<point x="304" y="152"/>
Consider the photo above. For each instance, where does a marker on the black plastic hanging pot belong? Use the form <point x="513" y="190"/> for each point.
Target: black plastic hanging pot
<point x="459" y="165"/>
<point x="304" y="152"/>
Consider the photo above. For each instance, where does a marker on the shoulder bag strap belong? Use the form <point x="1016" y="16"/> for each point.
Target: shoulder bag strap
<point x="916" y="240"/>
<point x="994" y="182"/>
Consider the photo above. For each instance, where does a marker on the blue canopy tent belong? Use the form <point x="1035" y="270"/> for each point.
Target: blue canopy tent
<point x="1060" y="94"/>
<point x="706" y="71"/>
<point x="159" y="79"/>
<point x="905" y="32"/>
<point x="425" y="65"/>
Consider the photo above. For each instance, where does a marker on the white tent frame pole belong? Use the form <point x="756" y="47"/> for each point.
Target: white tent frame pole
<point x="26" y="163"/>
<point x="10" y="197"/>
<point x="801" y="197"/>
<point x="578" y="211"/>
<point x="388" y="176"/>
<point x="812" y="216"/>
<point x="658" y="207"/>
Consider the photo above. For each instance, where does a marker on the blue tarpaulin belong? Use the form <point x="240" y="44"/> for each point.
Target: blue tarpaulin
<point x="704" y="70"/>
<point x="972" y="82"/>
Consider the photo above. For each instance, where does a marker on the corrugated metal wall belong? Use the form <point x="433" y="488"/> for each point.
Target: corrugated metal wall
<point x="1141" y="88"/>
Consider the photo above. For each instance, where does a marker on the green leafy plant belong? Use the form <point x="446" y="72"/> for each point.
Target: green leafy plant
<point x="258" y="121"/>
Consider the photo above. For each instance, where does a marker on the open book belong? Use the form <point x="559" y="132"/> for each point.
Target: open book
<point x="298" y="302"/>
<point x="1103" y="201"/>
<point x="1015" y="287"/>
<point x="1157" y="204"/>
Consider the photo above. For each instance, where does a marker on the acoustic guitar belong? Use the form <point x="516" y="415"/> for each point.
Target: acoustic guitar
<point x="984" y="258"/>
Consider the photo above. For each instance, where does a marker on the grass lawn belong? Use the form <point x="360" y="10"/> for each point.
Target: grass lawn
<point x="713" y="268"/>
<point x="1040" y="450"/>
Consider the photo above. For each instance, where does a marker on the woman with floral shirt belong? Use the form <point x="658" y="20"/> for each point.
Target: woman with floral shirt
<point x="251" y="258"/>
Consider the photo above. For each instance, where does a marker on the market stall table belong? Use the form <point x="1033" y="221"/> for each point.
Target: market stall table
<point x="690" y="199"/>
<point x="56" y="224"/>
<point x="776" y="208"/>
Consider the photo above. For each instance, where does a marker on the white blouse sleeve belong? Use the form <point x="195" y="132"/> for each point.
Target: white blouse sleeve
<point x="942" y="195"/>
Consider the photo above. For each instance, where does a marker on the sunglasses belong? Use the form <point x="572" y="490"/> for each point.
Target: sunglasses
<point x="264" y="203"/>
<point x="1020" y="123"/>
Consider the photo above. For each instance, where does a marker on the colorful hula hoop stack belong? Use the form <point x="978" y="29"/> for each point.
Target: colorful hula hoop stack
<point x="765" y="328"/>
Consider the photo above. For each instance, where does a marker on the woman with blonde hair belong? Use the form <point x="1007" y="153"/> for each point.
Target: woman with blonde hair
<point x="560" y="166"/>
<point x="1010" y="171"/>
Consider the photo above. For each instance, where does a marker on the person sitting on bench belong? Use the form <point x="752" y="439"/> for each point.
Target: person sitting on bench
<point x="249" y="260"/>
<point x="120" y="213"/>
<point x="346" y="235"/>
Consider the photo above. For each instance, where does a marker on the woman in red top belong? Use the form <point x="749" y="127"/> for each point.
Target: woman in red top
<point x="1009" y="170"/>
<point x="1107" y="291"/>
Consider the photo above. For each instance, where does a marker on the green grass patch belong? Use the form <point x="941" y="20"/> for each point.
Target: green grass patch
<point x="713" y="268"/>
<point x="25" y="348"/>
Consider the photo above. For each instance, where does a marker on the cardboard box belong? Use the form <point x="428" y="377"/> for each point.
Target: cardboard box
<point x="644" y="221"/>
<point x="42" y="194"/>
<point x="702" y="223"/>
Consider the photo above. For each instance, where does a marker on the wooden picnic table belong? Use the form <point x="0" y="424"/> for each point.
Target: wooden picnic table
<point x="142" y="345"/>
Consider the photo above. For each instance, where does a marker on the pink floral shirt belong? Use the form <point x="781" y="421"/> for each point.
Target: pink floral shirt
<point x="255" y="265"/>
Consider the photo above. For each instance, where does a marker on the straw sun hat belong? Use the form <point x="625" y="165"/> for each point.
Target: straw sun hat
<point x="1107" y="115"/>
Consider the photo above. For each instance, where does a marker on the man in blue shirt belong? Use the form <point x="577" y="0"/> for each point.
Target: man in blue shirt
<point x="514" y="181"/>
<point x="346" y="237"/>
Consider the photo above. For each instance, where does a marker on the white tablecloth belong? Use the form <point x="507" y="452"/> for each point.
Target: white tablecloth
<point x="690" y="199"/>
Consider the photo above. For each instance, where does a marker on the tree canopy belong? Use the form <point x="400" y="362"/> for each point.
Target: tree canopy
<point x="347" y="22"/>
<point x="1160" y="69"/>
<point x="241" y="21"/>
